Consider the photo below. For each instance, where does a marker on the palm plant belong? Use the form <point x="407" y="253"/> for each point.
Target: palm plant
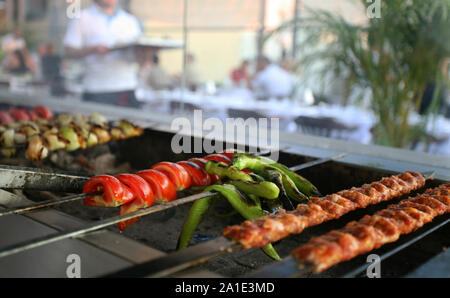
<point x="395" y="57"/>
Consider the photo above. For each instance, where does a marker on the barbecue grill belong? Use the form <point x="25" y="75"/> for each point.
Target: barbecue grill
<point x="148" y="247"/>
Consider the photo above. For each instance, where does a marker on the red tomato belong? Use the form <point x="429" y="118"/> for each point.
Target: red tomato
<point x="114" y="192"/>
<point x="202" y="163"/>
<point x="219" y="158"/>
<point x="6" y="118"/>
<point x="142" y="191"/>
<point x="198" y="174"/>
<point x="144" y="197"/>
<point x="176" y="173"/>
<point x="33" y="116"/>
<point x="163" y="189"/>
<point x="229" y="152"/>
<point x="43" y="112"/>
<point x="19" y="114"/>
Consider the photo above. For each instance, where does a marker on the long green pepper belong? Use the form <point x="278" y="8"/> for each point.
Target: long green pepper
<point x="259" y="164"/>
<point x="249" y="210"/>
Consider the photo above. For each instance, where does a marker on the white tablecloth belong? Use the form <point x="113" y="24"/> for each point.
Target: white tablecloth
<point x="287" y="110"/>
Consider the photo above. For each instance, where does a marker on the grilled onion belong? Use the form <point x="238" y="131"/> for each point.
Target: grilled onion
<point x="36" y="150"/>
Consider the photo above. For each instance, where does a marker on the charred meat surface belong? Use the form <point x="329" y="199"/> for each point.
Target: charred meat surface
<point x="271" y="228"/>
<point x="371" y="232"/>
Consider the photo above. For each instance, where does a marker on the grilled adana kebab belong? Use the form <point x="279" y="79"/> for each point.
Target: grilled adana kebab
<point x="69" y="132"/>
<point x="273" y="227"/>
<point x="372" y="232"/>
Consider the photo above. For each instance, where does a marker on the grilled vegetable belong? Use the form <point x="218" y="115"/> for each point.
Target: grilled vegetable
<point x="143" y="197"/>
<point x="43" y="112"/>
<point x="163" y="189"/>
<point x="70" y="135"/>
<point x="223" y="170"/>
<point x="92" y="140"/>
<point x="287" y="186"/>
<point x="5" y="118"/>
<point x="54" y="141"/>
<point x="176" y="173"/>
<point x="198" y="175"/>
<point x="36" y="150"/>
<point x="20" y="138"/>
<point x="33" y="116"/>
<point x="97" y="119"/>
<point x="114" y="193"/>
<point x="202" y="163"/>
<point x="117" y="133"/>
<point x="248" y="208"/>
<point x="102" y="134"/>
<point x="29" y="129"/>
<point x="19" y="114"/>
<point x="7" y="140"/>
<point x="265" y="189"/>
<point x="129" y="129"/>
<point x="259" y="163"/>
<point x="64" y="119"/>
<point x="219" y="158"/>
<point x="230" y="153"/>
<point x="70" y="132"/>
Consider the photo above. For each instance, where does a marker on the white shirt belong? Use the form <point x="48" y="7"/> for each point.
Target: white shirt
<point x="272" y="82"/>
<point x="10" y="43"/>
<point x="115" y="71"/>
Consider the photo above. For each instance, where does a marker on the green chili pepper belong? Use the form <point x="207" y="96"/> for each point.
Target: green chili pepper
<point x="276" y="177"/>
<point x="267" y="190"/>
<point x="195" y="217"/>
<point x="239" y="202"/>
<point x="289" y="186"/>
<point x="257" y="164"/>
<point x="244" y="161"/>
<point x="271" y="173"/>
<point x="304" y="185"/>
<point x="256" y="177"/>
<point x="273" y="206"/>
<point x="223" y="170"/>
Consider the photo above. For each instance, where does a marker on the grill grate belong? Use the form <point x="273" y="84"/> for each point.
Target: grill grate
<point x="329" y="177"/>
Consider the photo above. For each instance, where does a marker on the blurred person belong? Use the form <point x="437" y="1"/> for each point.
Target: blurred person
<point x="41" y="51"/>
<point x="270" y="80"/>
<point x="19" y="63"/>
<point x="51" y="63"/>
<point x="241" y="75"/>
<point x="110" y="77"/>
<point x="193" y="77"/>
<point x="157" y="77"/>
<point x="13" y="41"/>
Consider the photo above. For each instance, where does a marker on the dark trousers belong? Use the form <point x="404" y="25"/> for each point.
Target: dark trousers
<point x="122" y="98"/>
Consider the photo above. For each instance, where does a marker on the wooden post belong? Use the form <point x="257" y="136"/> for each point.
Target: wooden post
<point x="295" y="29"/>
<point x="262" y="18"/>
<point x="9" y="13"/>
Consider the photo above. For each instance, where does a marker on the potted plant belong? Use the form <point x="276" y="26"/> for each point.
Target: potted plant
<point x="396" y="57"/>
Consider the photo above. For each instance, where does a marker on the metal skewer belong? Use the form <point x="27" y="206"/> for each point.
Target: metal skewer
<point x="318" y="162"/>
<point x="26" y="245"/>
<point x="201" y="253"/>
<point x="48" y="203"/>
<point x="59" y="201"/>
<point x="13" y="249"/>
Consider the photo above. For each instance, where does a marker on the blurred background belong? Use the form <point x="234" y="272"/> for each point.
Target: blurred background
<point x="368" y="72"/>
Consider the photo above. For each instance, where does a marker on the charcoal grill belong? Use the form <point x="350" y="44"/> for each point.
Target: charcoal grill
<point x="153" y="238"/>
